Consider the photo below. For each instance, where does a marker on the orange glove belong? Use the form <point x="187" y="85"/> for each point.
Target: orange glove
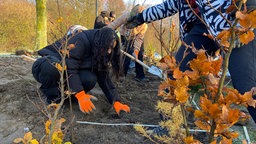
<point x="136" y="53"/>
<point x="119" y="106"/>
<point x="84" y="101"/>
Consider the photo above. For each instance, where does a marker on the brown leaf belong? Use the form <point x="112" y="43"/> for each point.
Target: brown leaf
<point x="224" y="35"/>
<point x="170" y="61"/>
<point x="191" y="140"/>
<point x="214" y="111"/>
<point x="252" y="17"/>
<point x="213" y="80"/>
<point x="200" y="115"/>
<point x="181" y="94"/>
<point x="230" y="9"/>
<point x="202" y="125"/>
<point x="177" y="74"/>
<point x="18" y="140"/>
<point x="224" y="115"/>
<point x="192" y="74"/>
<point x="244" y="19"/>
<point x="247" y="37"/>
<point x="71" y="46"/>
<point x="233" y="116"/>
<point x="28" y="137"/>
<point x="216" y="66"/>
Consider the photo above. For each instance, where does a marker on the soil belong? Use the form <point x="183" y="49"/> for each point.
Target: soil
<point x="21" y="107"/>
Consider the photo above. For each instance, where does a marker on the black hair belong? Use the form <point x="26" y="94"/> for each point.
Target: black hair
<point x="104" y="39"/>
<point x="112" y="14"/>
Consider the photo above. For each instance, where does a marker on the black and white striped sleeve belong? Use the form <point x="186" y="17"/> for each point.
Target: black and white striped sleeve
<point x="160" y="11"/>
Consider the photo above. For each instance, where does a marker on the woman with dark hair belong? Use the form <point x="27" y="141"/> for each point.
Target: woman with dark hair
<point x="90" y="54"/>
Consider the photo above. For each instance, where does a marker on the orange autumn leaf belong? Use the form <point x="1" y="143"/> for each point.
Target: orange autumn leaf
<point x="191" y="140"/>
<point x="177" y="74"/>
<point x="214" y="111"/>
<point x="200" y="115"/>
<point x="201" y="64"/>
<point x="202" y="125"/>
<point x="205" y="68"/>
<point x="244" y="19"/>
<point x="213" y="89"/>
<point x="247" y="98"/>
<point x="181" y="94"/>
<point x="225" y="43"/>
<point x="216" y="66"/>
<point x="233" y="116"/>
<point x="230" y="135"/>
<point x="212" y="79"/>
<point x="231" y="98"/>
<point x="183" y="82"/>
<point x="28" y="137"/>
<point x="205" y="103"/>
<point x="194" y="75"/>
<point x="170" y="61"/>
<point x="247" y="37"/>
<point x="224" y="36"/>
<point x="252" y="17"/>
<point x="224" y="114"/>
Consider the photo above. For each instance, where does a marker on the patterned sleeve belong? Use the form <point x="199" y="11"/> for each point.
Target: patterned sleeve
<point x="160" y="11"/>
<point x="211" y="16"/>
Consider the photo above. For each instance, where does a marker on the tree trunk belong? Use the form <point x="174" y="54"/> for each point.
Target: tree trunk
<point x="41" y="24"/>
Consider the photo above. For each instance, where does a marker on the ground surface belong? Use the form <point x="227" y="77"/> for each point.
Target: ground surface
<point x="18" y="90"/>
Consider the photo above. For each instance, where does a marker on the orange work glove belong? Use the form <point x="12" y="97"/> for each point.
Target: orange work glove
<point x="84" y="101"/>
<point x="119" y="106"/>
<point x="136" y="53"/>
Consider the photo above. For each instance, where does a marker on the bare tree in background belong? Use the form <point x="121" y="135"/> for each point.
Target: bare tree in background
<point x="41" y="24"/>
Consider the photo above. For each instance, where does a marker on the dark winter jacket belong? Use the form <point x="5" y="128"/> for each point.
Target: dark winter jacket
<point x="81" y="58"/>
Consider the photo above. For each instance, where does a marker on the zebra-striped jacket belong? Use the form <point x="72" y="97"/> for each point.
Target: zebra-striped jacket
<point x="208" y="13"/>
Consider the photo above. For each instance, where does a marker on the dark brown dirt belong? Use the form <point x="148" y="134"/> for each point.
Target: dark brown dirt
<point x="19" y="90"/>
<point x="21" y="107"/>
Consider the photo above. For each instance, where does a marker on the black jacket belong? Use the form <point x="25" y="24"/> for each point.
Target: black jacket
<point x="81" y="58"/>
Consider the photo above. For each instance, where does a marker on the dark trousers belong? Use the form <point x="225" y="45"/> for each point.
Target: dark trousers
<point x="129" y="49"/>
<point x="242" y="68"/>
<point x="45" y="73"/>
<point x="242" y="62"/>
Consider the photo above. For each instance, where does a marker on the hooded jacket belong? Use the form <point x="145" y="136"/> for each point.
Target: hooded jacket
<point x="81" y="58"/>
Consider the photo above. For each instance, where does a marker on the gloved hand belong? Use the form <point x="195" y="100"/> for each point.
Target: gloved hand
<point x="84" y="101"/>
<point x="119" y="106"/>
<point x="136" y="53"/>
<point x="135" y="18"/>
<point x="134" y="21"/>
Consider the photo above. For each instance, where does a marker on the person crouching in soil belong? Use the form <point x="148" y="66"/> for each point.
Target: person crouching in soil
<point x="90" y="54"/>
